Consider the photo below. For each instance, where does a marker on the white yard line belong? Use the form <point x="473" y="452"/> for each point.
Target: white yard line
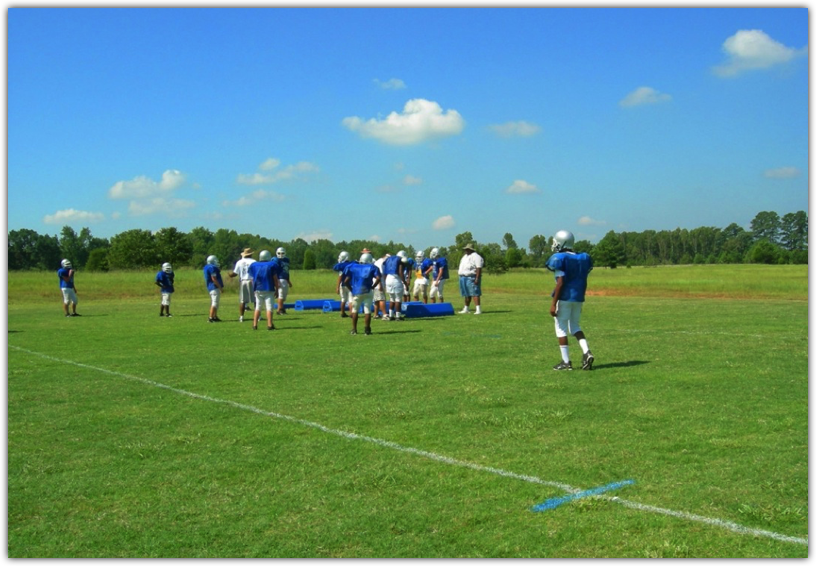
<point x="728" y="525"/>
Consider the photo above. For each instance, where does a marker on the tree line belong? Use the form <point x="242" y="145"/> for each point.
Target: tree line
<point x="770" y="239"/>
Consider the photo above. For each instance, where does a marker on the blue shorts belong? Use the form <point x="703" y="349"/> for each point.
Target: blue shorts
<point x="468" y="286"/>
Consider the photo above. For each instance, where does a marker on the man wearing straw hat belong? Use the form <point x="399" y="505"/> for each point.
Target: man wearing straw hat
<point x="245" y="292"/>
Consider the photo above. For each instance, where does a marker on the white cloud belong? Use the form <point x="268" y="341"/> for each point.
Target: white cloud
<point x="443" y="223"/>
<point x="288" y="172"/>
<point x="374" y="238"/>
<point x="254" y="197"/>
<point x="316" y="235"/>
<point x="510" y="129"/>
<point x="644" y="95"/>
<point x="71" y="215"/>
<point x="144" y="187"/>
<point x="391" y="84"/>
<point x="782" y="173"/>
<point x="411" y="180"/>
<point x="587" y="221"/>
<point x="521" y="186"/>
<point x="753" y="49"/>
<point x="269" y="164"/>
<point x="420" y="121"/>
<point x="171" y="207"/>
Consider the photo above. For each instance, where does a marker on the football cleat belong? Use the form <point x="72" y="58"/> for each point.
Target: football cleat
<point x="563" y="366"/>
<point x="587" y="361"/>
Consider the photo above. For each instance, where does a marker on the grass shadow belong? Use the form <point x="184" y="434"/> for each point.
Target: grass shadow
<point x="629" y="364"/>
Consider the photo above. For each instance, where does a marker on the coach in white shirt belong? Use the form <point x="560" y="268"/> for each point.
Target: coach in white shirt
<point x="470" y="279"/>
<point x="246" y="294"/>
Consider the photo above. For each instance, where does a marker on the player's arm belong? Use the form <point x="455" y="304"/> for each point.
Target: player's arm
<point x="559" y="283"/>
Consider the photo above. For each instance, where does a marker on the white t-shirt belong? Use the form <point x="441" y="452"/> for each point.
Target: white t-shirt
<point x="242" y="268"/>
<point x="470" y="263"/>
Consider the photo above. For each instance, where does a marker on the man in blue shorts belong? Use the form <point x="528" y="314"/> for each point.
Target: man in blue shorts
<point x="571" y="273"/>
<point x="470" y="279"/>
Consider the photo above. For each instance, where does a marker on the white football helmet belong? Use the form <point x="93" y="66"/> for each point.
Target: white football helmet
<point x="280" y="252"/>
<point x="212" y="260"/>
<point x="563" y="240"/>
<point x="403" y="256"/>
<point x="167" y="268"/>
<point x="367" y="258"/>
<point x="265" y="255"/>
<point x="434" y="253"/>
<point x="66" y="263"/>
<point x="342" y="257"/>
<point x="420" y="255"/>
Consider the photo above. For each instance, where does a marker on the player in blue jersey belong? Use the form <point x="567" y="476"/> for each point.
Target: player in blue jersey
<point x="394" y="270"/>
<point x="66" y="279"/>
<point x="164" y="280"/>
<point x="440" y="275"/>
<point x="571" y="273"/>
<point x="283" y="277"/>
<point x="265" y="276"/>
<point x="212" y="278"/>
<point x="361" y="279"/>
<point x="343" y="261"/>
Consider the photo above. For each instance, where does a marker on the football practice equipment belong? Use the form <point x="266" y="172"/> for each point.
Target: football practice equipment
<point x="366" y="258"/>
<point x="434" y="253"/>
<point x="280" y="252"/>
<point x="403" y="256"/>
<point x="342" y="257"/>
<point x="167" y="268"/>
<point x="66" y="263"/>
<point x="265" y="255"/>
<point x="420" y="255"/>
<point x="212" y="260"/>
<point x="563" y="240"/>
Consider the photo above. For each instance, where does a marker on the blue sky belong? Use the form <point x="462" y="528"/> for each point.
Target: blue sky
<point x="411" y="125"/>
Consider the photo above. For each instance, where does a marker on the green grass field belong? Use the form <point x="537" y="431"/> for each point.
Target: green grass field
<point x="131" y="435"/>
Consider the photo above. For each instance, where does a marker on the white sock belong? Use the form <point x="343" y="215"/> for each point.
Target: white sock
<point x="584" y="346"/>
<point x="565" y="354"/>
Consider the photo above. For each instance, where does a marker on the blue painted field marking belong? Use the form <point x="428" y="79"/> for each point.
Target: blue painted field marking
<point x="556" y="501"/>
<point x="682" y="515"/>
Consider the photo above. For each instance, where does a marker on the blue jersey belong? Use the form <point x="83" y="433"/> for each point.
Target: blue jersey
<point x="426" y="264"/>
<point x="440" y="264"/>
<point x="63" y="272"/>
<point x="283" y="262"/>
<point x="263" y="274"/>
<point x="211" y="271"/>
<point x="574" y="268"/>
<point x="165" y="281"/>
<point x="360" y="277"/>
<point x="393" y="266"/>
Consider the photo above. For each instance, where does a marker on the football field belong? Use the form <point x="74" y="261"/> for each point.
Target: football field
<point x="131" y="435"/>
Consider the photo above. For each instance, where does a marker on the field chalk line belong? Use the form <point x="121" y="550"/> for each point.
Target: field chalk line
<point x="728" y="525"/>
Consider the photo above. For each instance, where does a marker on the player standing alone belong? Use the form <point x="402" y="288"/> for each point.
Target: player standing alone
<point x="571" y="273"/>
